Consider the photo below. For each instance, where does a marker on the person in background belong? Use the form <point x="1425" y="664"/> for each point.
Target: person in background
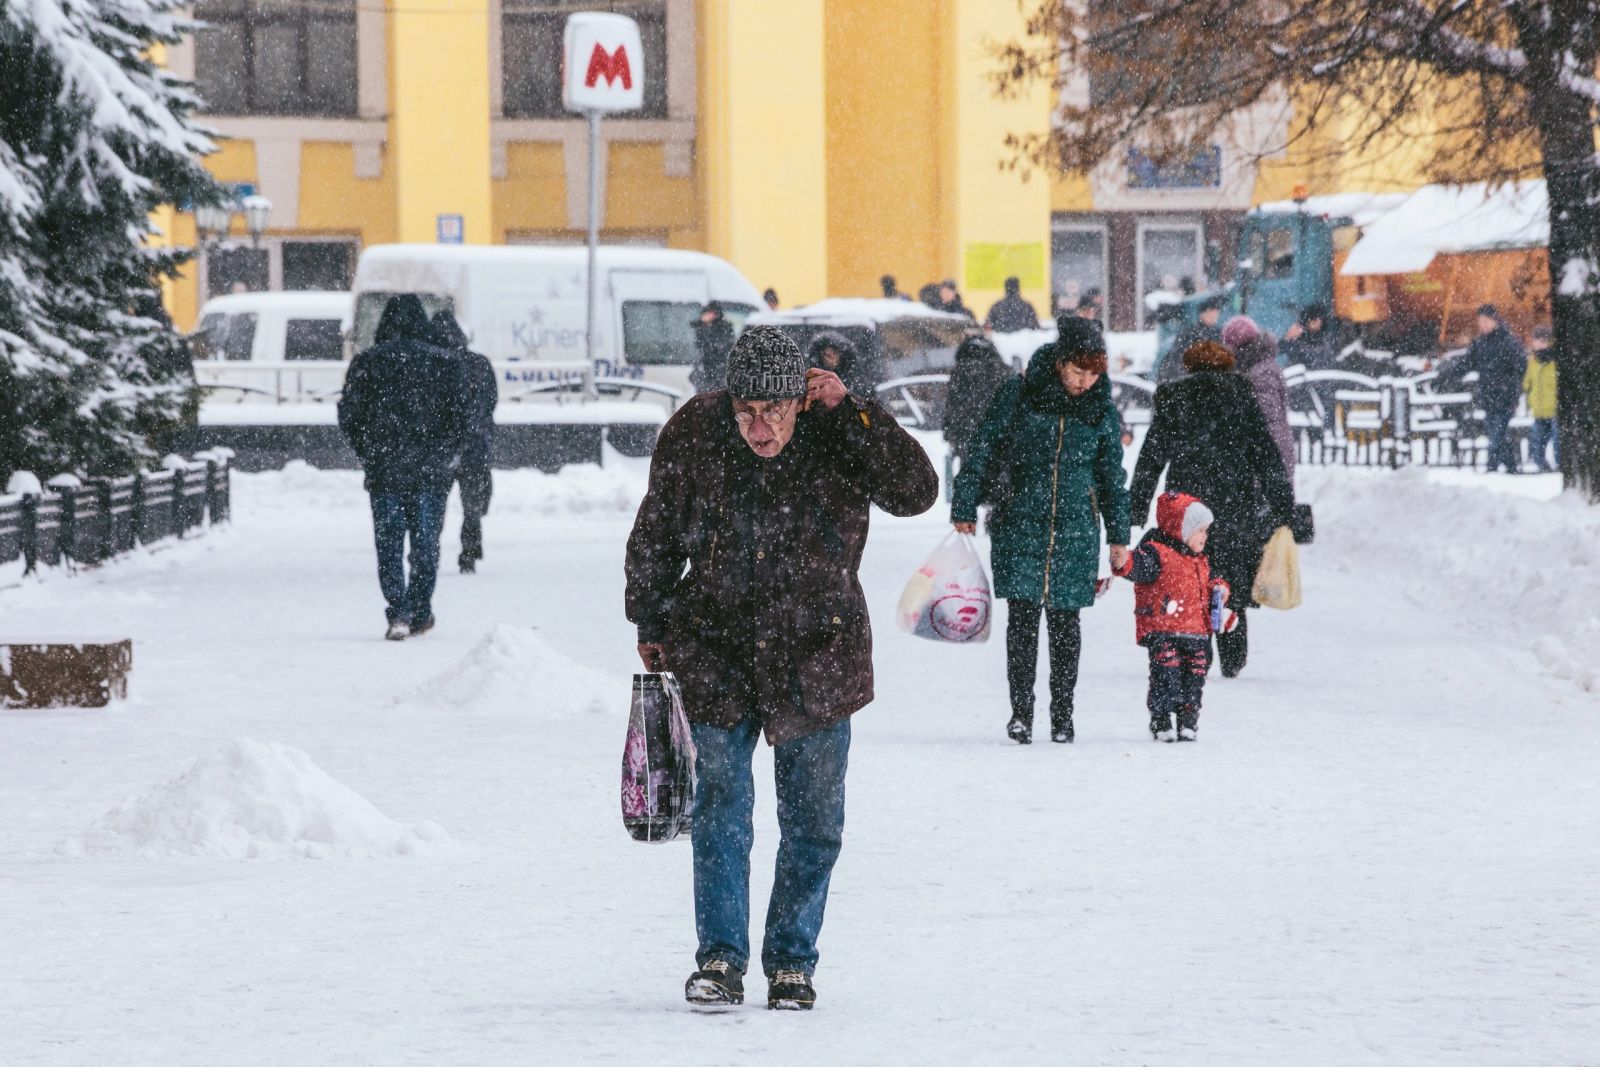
<point x="742" y="580"/>
<point x="1011" y="312"/>
<point x="474" y="476"/>
<point x="1092" y="306"/>
<point x="833" y="352"/>
<point x="1055" y="438"/>
<point x="1177" y="606"/>
<point x="1306" y="342"/>
<point x="770" y="298"/>
<point x="1207" y="435"/>
<point x="950" y="300"/>
<point x="713" y="340"/>
<point x="1539" y="383"/>
<point x="1255" y="352"/>
<point x="404" y="411"/>
<point x="1500" y="362"/>
<point x="1204" y="328"/>
<point x="979" y="373"/>
<point x="891" y="288"/>
<point x="928" y="295"/>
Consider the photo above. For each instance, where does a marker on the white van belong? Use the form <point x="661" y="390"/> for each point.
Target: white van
<point x="529" y="305"/>
<point x="273" y="327"/>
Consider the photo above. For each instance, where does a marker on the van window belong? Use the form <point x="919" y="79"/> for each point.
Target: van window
<point x="1279" y="254"/>
<point x="659" y="331"/>
<point x="209" y="336"/>
<point x="240" y="341"/>
<point x="369" y="310"/>
<point x="313" y="339"/>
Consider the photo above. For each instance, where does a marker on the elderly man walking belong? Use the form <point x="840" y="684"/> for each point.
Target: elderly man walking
<point x="742" y="581"/>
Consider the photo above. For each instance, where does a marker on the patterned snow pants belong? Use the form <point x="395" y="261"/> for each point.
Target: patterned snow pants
<point x="1178" y="667"/>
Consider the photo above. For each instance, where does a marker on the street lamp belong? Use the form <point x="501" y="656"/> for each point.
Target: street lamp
<point x="215" y="220"/>
<point x="212" y="220"/>
<point x="257" y="210"/>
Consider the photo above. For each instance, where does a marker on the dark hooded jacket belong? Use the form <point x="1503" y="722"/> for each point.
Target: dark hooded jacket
<point x="1012" y="313"/>
<point x="482" y="389"/>
<point x="404" y="407"/>
<point x="1209" y="436"/>
<point x="1500" y="361"/>
<point x="745" y="569"/>
<point x="849" y="364"/>
<point x="1067" y="480"/>
<point x="712" y="341"/>
<point x="1313" y="349"/>
<point x="979" y="373"/>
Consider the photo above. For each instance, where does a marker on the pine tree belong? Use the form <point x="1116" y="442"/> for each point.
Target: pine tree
<point x="94" y="136"/>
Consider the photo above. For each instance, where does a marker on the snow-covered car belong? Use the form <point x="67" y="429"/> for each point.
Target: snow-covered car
<point x="272" y="346"/>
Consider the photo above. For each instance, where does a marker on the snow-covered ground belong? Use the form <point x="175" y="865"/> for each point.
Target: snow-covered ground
<point x="298" y="844"/>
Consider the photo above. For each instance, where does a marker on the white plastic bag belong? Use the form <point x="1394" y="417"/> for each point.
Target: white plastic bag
<point x="949" y="597"/>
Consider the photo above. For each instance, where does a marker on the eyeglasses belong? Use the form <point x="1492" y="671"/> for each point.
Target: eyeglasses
<point x="773" y="416"/>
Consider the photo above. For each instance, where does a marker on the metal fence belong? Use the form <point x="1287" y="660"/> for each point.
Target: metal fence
<point x="71" y="523"/>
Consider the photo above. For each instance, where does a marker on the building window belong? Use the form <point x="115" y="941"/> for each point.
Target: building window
<point x="1169" y="260"/>
<point x="277" y="57"/>
<point x="1077" y="264"/>
<point x="530" y="53"/>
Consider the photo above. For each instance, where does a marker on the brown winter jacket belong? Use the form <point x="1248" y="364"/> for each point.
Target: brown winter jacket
<point x="744" y="568"/>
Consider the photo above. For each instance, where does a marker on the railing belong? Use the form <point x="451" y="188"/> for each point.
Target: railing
<point x="72" y="523"/>
<point x="321" y="381"/>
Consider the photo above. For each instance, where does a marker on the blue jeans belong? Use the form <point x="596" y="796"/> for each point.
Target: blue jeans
<point x="395" y="516"/>
<point x="1502" y="451"/>
<point x="810" y="773"/>
<point x="1541" y="436"/>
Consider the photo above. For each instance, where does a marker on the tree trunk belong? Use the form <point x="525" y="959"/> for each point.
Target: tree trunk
<point x="1572" y="180"/>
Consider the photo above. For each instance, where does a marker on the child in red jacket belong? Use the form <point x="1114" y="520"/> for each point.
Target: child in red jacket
<point x="1177" y="607"/>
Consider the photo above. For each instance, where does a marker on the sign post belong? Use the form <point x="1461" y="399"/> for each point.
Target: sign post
<point x="603" y="71"/>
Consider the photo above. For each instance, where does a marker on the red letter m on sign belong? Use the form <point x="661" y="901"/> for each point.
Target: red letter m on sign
<point x="611" y="67"/>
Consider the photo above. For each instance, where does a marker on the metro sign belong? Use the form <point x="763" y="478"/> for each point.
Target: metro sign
<point x="603" y="64"/>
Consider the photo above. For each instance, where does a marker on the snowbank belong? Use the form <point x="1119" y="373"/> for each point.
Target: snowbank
<point x="254" y="800"/>
<point x="513" y="671"/>
<point x="1526" y="570"/>
<point x="1440" y="219"/>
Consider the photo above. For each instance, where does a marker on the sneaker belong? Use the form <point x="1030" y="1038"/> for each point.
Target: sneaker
<point x="791" y="991"/>
<point x="1062" y="733"/>
<point x="1186" y="733"/>
<point x="1161" y="729"/>
<point x="1019" y="731"/>
<point x="420" y="628"/>
<point x="398" y="631"/>
<point x="719" y="984"/>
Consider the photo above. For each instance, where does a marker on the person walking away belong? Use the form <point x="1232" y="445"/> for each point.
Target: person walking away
<point x="1540" y="385"/>
<point x="1500" y="362"/>
<point x="1011" y="312"/>
<point x="979" y="373"/>
<point x="833" y="352"/>
<point x="1177" y="605"/>
<point x="891" y="288"/>
<point x="404" y="412"/>
<point x="1255" y="353"/>
<point x="742" y="580"/>
<point x="713" y="339"/>
<point x="1055" y="438"/>
<point x="1208" y="436"/>
<point x="475" y="475"/>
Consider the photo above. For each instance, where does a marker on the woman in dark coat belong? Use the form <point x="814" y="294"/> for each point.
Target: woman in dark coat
<point x="979" y="373"/>
<point x="1056" y="433"/>
<point x="1209" y="437"/>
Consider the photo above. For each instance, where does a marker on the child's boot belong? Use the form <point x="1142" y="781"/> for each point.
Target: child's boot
<point x="1161" y="728"/>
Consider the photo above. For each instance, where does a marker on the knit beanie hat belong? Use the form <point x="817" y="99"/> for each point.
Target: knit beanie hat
<point x="1207" y="355"/>
<point x="1240" y="329"/>
<point x="1196" y="517"/>
<point x="1080" y="343"/>
<point x="766" y="364"/>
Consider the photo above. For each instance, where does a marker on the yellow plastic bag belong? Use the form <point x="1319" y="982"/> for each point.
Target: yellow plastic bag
<point x="1278" y="580"/>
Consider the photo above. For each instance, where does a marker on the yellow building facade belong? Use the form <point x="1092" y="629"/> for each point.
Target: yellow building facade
<point x="815" y="144"/>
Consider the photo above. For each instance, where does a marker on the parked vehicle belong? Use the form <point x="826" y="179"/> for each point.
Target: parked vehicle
<point x="1402" y="273"/>
<point x="529" y="305"/>
<point x="273" y="327"/>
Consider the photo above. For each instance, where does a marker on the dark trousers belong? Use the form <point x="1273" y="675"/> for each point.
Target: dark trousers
<point x="1177" y="678"/>
<point x="419" y="516"/>
<point x="1541" y="438"/>
<point x="477" y="486"/>
<point x="1022" y="658"/>
<point x="1502" y="450"/>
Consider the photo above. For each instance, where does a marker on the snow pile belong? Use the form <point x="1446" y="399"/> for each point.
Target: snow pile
<point x="513" y="671"/>
<point x="255" y="800"/>
<point x="1524" y="569"/>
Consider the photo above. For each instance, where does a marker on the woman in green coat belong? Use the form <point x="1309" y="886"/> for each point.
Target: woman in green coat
<point x="1051" y="446"/>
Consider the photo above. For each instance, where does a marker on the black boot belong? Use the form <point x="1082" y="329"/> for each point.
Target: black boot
<point x="719" y="984"/>
<point x="1020" y="730"/>
<point x="1061" y="731"/>
<point x="1161" y="728"/>
<point x="1233" y="648"/>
